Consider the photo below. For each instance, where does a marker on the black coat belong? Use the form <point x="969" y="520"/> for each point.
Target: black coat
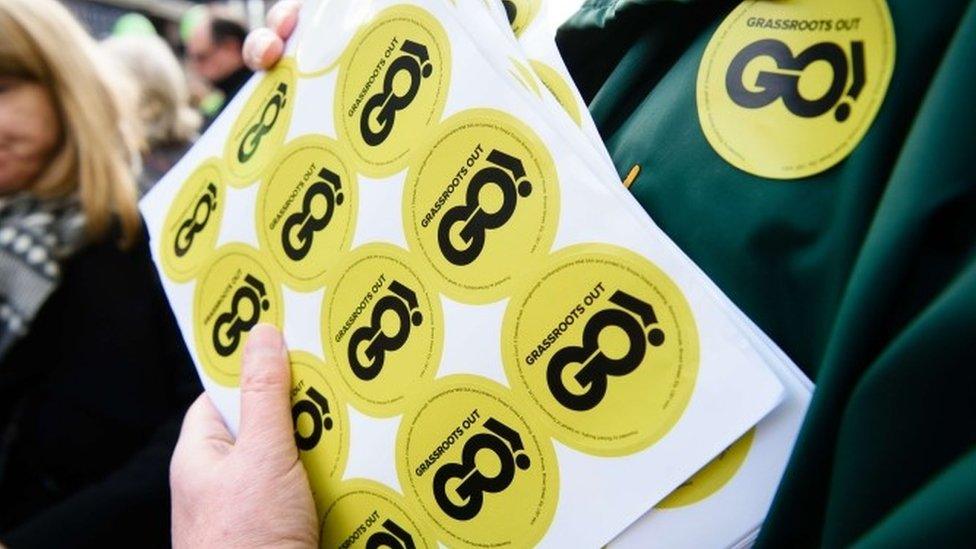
<point x="91" y="402"/>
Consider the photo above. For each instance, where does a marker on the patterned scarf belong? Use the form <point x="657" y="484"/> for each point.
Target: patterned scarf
<point x="36" y="236"/>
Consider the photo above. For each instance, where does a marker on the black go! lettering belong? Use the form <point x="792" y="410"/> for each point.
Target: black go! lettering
<point x="633" y="316"/>
<point x="402" y="301"/>
<point x="269" y="117"/>
<point x="298" y="243"/>
<point x="316" y="406"/>
<point x="507" y="174"/>
<point x="511" y="10"/>
<point x="468" y="497"/>
<point x="770" y="85"/>
<point x="230" y="326"/>
<point x="415" y="62"/>
<point x="393" y="536"/>
<point x="196" y="222"/>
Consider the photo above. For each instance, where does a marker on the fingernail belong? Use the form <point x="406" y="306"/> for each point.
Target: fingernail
<point x="261" y="44"/>
<point x="264" y="339"/>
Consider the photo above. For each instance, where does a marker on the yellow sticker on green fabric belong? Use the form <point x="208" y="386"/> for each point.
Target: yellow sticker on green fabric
<point x="481" y="204"/>
<point x="393" y="83"/>
<point x="557" y="86"/>
<point x="261" y="126"/>
<point x="788" y="89"/>
<point x="306" y="210"/>
<point x="369" y="515"/>
<point x="477" y="468"/>
<point x="382" y="328"/>
<point x="235" y="293"/>
<point x="712" y="477"/>
<point x="193" y="223"/>
<point x="321" y="426"/>
<point x="603" y="344"/>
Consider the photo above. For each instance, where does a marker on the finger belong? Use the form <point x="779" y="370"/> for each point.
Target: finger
<point x="262" y="49"/>
<point x="283" y="17"/>
<point x="266" y="426"/>
<point x="203" y="427"/>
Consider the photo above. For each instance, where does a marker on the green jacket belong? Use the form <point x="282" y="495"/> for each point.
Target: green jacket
<point x="865" y="273"/>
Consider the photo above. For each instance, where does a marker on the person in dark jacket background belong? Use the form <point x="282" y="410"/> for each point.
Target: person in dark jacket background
<point x="94" y="375"/>
<point x="215" y="52"/>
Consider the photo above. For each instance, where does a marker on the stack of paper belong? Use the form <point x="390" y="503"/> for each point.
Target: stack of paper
<point x="492" y="344"/>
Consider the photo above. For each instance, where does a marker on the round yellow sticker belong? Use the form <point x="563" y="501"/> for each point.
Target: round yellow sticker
<point x="524" y="76"/>
<point x="261" y="126"/>
<point x="604" y="344"/>
<point x="521" y="13"/>
<point x="306" y="210"/>
<point x="235" y="293"/>
<point x="788" y="89"/>
<point x="481" y="204"/>
<point x="393" y="83"/>
<point x="382" y="328"/>
<point x="479" y="470"/>
<point x="559" y="89"/>
<point x="193" y="223"/>
<point x="712" y="477"/>
<point x="321" y="426"/>
<point x="367" y="514"/>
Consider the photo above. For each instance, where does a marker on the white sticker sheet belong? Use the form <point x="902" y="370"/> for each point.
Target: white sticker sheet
<point x="492" y="344"/>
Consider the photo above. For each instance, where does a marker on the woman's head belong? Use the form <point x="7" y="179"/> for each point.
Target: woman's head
<point x="63" y="124"/>
<point x="164" y="102"/>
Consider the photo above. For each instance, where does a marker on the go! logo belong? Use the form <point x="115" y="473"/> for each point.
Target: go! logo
<point x="269" y="117"/>
<point x="297" y="244"/>
<point x="784" y="82"/>
<point x="634" y="317"/>
<point x="316" y="406"/>
<point x="415" y="63"/>
<point x="393" y="536"/>
<point x="465" y="501"/>
<point x="506" y="174"/>
<point x="231" y="325"/>
<point x="197" y="222"/>
<point x="402" y="301"/>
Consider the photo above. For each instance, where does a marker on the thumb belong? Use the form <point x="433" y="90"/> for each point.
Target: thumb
<point x="266" y="427"/>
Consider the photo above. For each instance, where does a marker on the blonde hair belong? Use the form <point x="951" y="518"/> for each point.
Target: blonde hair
<point x="164" y="101"/>
<point x="40" y="41"/>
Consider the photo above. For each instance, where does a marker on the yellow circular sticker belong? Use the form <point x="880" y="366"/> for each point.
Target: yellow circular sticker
<point x="712" y="477"/>
<point x="481" y="204"/>
<point x="604" y="344"/>
<point x="521" y="13"/>
<point x="193" y="223"/>
<point x="321" y="426"/>
<point x="370" y="515"/>
<point x="260" y="129"/>
<point x="788" y="89"/>
<point x="483" y="475"/>
<point x="382" y="328"/>
<point x="524" y="76"/>
<point x="235" y="293"/>
<point x="557" y="86"/>
<point x="393" y="83"/>
<point x="306" y="210"/>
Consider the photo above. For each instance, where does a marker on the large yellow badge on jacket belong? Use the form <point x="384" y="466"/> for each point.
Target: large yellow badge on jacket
<point x="787" y="89"/>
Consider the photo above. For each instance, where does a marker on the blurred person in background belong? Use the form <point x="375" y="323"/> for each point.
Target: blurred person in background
<point x="214" y="49"/>
<point x="169" y="122"/>
<point x="94" y="376"/>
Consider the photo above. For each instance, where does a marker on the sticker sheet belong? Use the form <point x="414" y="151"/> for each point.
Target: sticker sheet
<point x="486" y="336"/>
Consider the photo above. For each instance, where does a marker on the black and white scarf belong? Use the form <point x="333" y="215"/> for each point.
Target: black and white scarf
<point x="36" y="236"/>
